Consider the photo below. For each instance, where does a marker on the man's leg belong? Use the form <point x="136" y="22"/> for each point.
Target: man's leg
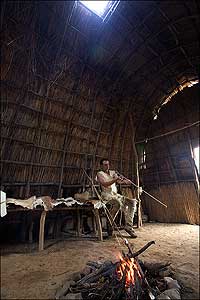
<point x="113" y="204"/>
<point x="113" y="207"/>
<point x="129" y="208"/>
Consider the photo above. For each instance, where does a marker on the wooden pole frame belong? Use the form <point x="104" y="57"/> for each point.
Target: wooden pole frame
<point x="139" y="221"/>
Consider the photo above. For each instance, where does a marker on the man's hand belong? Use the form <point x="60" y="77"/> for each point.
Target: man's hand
<point x="123" y="180"/>
<point x="128" y="181"/>
<point x="108" y="183"/>
<point x="115" y="176"/>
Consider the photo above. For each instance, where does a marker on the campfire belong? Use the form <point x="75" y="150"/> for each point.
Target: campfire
<point x="128" y="278"/>
<point x="128" y="272"/>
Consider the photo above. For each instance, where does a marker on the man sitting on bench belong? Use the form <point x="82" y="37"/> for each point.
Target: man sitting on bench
<point x="107" y="180"/>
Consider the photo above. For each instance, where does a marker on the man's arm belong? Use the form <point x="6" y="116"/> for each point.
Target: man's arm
<point x="125" y="181"/>
<point x="104" y="182"/>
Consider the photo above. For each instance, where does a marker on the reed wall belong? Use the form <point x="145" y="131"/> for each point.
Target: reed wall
<point x="182" y="204"/>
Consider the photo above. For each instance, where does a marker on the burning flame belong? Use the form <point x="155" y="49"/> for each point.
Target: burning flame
<point x="129" y="269"/>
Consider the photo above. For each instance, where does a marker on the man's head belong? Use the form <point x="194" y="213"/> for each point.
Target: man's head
<point x="105" y="165"/>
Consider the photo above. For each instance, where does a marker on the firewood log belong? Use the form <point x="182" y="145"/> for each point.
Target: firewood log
<point x="63" y="290"/>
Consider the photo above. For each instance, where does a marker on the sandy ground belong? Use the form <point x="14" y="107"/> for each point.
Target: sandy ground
<point x="28" y="274"/>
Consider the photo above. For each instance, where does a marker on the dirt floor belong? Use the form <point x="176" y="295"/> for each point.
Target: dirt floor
<point x="28" y="274"/>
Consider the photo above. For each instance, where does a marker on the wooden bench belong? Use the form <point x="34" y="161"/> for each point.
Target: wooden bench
<point x="77" y="209"/>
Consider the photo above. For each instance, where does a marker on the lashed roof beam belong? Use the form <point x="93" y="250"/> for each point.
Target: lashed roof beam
<point x="73" y="54"/>
<point x="145" y="66"/>
<point x="148" y="46"/>
<point x="174" y="34"/>
<point x="151" y="37"/>
<point x="166" y="66"/>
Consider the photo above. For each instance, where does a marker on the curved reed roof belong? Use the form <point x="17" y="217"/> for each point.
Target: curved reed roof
<point x="74" y="88"/>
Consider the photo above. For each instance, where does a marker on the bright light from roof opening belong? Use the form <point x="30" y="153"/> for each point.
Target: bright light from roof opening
<point x="100" y="8"/>
<point x="196" y="157"/>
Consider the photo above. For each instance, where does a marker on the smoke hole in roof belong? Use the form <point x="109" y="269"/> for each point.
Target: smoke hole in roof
<point x="103" y="9"/>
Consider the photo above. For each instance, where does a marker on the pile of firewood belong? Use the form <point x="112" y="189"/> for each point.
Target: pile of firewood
<point x="127" y="278"/>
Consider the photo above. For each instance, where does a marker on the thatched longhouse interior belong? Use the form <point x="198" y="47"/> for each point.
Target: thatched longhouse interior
<point x="79" y="86"/>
